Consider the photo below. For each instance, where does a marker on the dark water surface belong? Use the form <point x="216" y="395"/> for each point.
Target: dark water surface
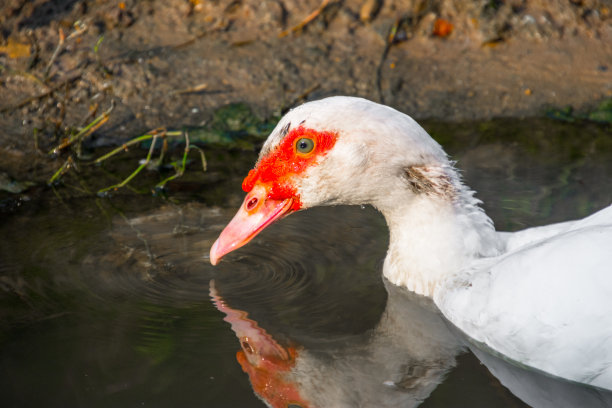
<point x="113" y="303"/>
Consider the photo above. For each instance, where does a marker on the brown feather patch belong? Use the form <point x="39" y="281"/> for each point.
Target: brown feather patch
<point x="430" y="180"/>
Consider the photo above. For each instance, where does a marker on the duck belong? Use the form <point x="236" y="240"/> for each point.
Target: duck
<point x="540" y="298"/>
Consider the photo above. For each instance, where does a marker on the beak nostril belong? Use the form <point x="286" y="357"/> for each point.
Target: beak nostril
<point x="252" y="203"/>
<point x="247" y="347"/>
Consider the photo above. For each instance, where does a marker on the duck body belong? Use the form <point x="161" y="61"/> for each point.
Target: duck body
<point x="546" y="302"/>
<point x="541" y="297"/>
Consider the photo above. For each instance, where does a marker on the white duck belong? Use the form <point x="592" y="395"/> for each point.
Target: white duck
<point x="541" y="297"/>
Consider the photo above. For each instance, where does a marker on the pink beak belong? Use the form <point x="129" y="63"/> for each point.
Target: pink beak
<point x="256" y="213"/>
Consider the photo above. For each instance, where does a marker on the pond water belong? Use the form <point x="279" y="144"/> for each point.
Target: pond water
<point x="112" y="301"/>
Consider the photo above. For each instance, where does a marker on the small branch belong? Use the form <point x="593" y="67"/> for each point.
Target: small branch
<point x="80" y="28"/>
<point x="86" y="131"/>
<point x="202" y="158"/>
<point x="181" y="169"/>
<point x="389" y="42"/>
<point x="68" y="164"/>
<point x="192" y="89"/>
<point x="59" y="47"/>
<point x="307" y="20"/>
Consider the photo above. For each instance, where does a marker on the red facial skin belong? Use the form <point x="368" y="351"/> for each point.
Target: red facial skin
<point x="272" y="193"/>
<point x="277" y="168"/>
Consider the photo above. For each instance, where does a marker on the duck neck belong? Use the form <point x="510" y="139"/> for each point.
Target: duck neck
<point x="433" y="236"/>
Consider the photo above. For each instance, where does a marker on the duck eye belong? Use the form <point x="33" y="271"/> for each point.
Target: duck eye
<point x="304" y="145"/>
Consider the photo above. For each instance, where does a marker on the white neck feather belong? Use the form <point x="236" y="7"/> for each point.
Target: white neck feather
<point x="435" y="235"/>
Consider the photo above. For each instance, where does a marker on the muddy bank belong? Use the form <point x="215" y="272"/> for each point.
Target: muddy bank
<point x="172" y="63"/>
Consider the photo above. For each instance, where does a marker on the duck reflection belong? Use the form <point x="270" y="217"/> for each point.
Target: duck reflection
<point x="268" y="364"/>
<point x="540" y="389"/>
<point x="398" y="363"/>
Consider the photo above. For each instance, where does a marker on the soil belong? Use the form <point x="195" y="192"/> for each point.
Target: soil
<point x="172" y="63"/>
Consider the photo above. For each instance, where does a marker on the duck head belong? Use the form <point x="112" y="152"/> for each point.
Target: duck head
<point x="339" y="150"/>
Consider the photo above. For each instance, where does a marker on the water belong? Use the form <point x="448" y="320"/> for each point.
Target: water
<point x="112" y="302"/>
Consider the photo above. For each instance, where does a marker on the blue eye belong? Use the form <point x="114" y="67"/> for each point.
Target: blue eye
<point x="304" y="145"/>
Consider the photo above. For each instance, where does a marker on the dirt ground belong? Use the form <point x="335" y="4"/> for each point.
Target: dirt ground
<point x="171" y="63"/>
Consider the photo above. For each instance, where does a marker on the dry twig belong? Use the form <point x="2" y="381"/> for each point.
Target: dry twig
<point x="307" y="20"/>
<point x="79" y="28"/>
<point x="86" y="131"/>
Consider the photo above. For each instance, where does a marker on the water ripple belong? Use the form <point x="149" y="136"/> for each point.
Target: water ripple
<point x="308" y="271"/>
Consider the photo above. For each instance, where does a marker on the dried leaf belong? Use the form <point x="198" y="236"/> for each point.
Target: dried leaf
<point x="15" y="49"/>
